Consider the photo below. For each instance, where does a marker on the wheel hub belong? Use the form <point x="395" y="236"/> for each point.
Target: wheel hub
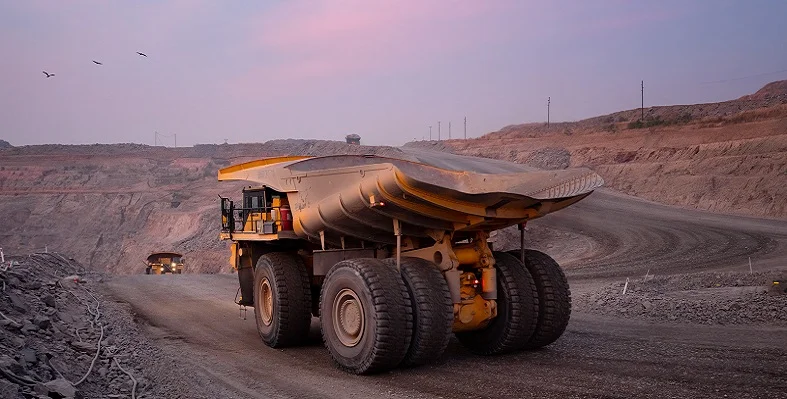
<point x="348" y="318"/>
<point x="266" y="296"/>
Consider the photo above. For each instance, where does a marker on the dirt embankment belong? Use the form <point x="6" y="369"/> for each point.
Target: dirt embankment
<point x="110" y="206"/>
<point x="728" y="157"/>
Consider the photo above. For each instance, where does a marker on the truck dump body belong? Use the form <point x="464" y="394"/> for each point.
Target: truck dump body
<point x="357" y="196"/>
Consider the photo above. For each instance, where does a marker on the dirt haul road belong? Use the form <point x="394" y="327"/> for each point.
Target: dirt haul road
<point x="605" y="237"/>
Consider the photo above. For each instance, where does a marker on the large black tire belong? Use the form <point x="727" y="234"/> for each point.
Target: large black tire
<point x="147" y="270"/>
<point x="365" y="316"/>
<point x="282" y="299"/>
<point x="517" y="311"/>
<point x="554" y="297"/>
<point x="433" y="310"/>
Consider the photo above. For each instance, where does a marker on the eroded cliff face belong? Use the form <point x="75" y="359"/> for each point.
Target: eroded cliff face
<point x="110" y="206"/>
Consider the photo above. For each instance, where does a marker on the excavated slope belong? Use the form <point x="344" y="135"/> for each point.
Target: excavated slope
<point x="110" y="206"/>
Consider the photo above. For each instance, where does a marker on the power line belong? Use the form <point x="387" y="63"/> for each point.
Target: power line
<point x="157" y="135"/>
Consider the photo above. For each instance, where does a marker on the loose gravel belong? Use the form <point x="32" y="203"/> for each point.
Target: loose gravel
<point x="703" y="298"/>
<point x="61" y="338"/>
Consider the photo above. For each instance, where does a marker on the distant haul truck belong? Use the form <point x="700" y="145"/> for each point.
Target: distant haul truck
<point x="164" y="262"/>
<point x="393" y="256"/>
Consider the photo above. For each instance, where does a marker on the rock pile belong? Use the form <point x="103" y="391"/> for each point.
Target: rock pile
<point x="704" y="298"/>
<point x="55" y="340"/>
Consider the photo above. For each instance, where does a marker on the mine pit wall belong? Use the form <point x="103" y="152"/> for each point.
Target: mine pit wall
<point x="110" y="206"/>
<point x="736" y="169"/>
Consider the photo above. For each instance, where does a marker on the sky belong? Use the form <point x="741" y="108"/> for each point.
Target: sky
<point x="252" y="71"/>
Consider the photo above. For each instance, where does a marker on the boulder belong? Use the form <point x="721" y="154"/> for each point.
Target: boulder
<point x="29" y="355"/>
<point x="83" y="346"/>
<point x="60" y="388"/>
<point x="42" y="322"/>
<point x="8" y="390"/>
<point x="18" y="303"/>
<point x="48" y="300"/>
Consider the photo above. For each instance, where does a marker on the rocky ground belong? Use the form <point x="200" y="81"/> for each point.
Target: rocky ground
<point x="729" y="298"/>
<point x="61" y="337"/>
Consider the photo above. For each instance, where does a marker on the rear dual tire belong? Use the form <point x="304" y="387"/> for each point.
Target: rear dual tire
<point x="432" y="307"/>
<point x="554" y="297"/>
<point x="365" y="316"/>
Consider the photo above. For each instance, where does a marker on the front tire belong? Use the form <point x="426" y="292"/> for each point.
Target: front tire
<point x="282" y="299"/>
<point x="517" y="311"/>
<point x="365" y="316"/>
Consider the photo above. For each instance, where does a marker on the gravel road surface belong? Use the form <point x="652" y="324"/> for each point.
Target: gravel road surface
<point x="608" y="236"/>
<point x="192" y="318"/>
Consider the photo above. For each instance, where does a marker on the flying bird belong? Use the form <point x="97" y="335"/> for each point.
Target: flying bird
<point x="142" y="54"/>
<point x="97" y="63"/>
<point x="48" y="75"/>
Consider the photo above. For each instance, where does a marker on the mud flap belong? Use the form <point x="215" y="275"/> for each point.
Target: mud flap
<point x="246" y="280"/>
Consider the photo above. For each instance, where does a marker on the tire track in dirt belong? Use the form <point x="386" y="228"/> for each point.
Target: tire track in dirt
<point x="634" y="237"/>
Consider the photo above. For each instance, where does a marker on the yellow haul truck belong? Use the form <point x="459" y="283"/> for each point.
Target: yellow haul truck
<point x="164" y="262"/>
<point x="393" y="255"/>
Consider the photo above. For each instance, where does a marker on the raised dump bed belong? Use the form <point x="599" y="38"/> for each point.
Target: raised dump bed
<point x="393" y="254"/>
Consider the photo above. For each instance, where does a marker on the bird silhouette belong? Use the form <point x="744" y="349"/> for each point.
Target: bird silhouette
<point x="97" y="63"/>
<point x="142" y="54"/>
<point x="48" y="75"/>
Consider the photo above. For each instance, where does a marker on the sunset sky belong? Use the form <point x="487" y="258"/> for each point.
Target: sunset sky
<point x="251" y="71"/>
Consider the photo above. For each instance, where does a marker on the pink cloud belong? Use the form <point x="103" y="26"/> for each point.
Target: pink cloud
<point x="309" y="41"/>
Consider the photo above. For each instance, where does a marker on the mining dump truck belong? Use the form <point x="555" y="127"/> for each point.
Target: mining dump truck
<point x="393" y="255"/>
<point x="164" y="262"/>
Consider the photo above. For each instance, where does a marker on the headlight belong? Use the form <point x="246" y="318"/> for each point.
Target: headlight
<point x="173" y="264"/>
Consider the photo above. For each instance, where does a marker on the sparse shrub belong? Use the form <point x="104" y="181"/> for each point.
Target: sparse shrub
<point x="649" y="122"/>
<point x="635" y="125"/>
<point x="683" y="118"/>
<point x="653" y="122"/>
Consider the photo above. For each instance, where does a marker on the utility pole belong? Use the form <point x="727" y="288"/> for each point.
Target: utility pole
<point x="430" y="132"/>
<point x="438" y="130"/>
<point x="176" y="139"/>
<point x="465" y="128"/>
<point x="642" y="107"/>
<point x="155" y="138"/>
<point x="449" y="130"/>
<point x="549" y="101"/>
